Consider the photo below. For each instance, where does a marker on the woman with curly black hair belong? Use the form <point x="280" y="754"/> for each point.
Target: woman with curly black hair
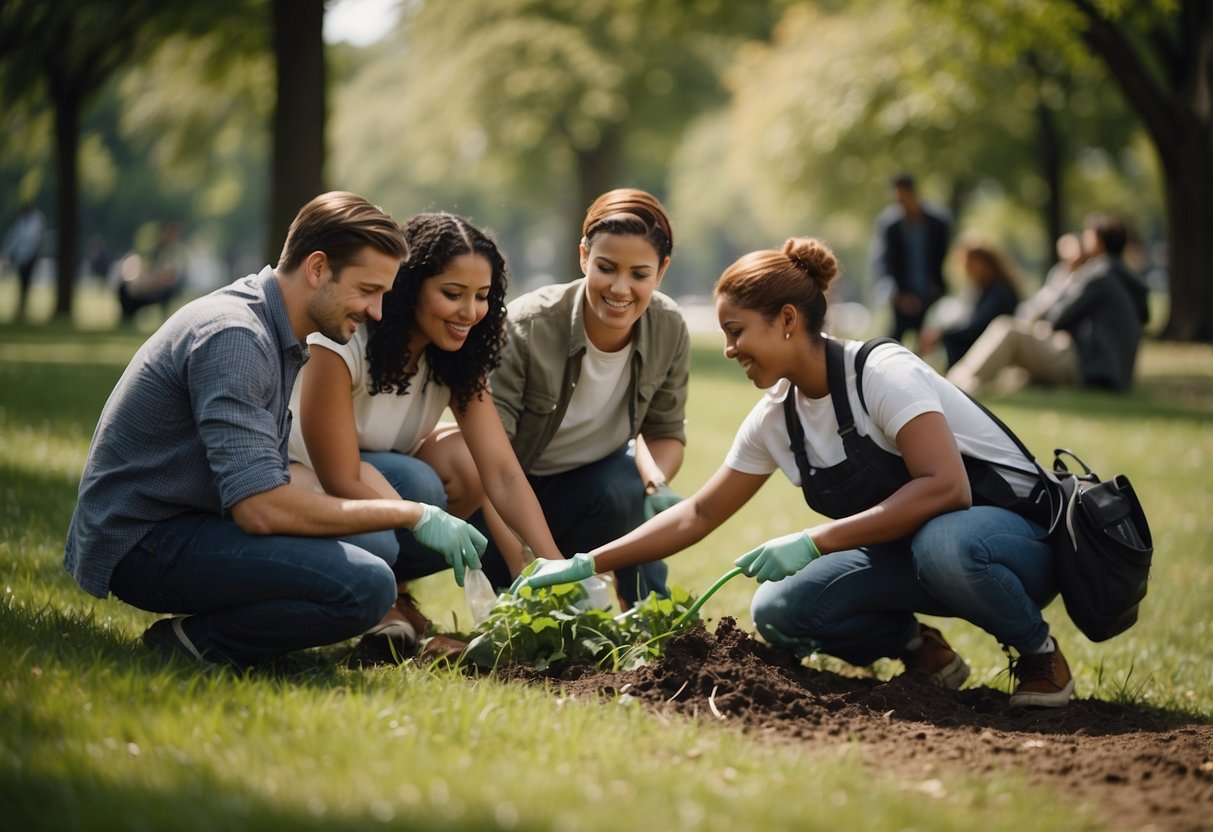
<point x="367" y="412"/>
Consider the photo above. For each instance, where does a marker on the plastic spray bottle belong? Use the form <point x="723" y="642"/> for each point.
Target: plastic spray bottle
<point x="479" y="594"/>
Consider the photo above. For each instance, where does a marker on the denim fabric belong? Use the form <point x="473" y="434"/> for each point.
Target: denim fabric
<point x="254" y="596"/>
<point x="985" y="565"/>
<point x="417" y="481"/>
<point x="585" y="508"/>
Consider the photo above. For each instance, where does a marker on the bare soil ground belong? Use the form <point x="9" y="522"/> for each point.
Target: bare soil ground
<point x="1133" y="767"/>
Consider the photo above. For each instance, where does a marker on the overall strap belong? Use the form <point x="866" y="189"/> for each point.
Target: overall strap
<point x="836" y="380"/>
<point x="796" y="435"/>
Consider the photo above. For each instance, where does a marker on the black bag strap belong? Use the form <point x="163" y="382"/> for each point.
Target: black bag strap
<point x="861" y="358"/>
<point x="1047" y="478"/>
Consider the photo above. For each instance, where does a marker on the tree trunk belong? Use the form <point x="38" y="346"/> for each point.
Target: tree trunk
<point x="67" y="191"/>
<point x="597" y="171"/>
<point x="299" y="120"/>
<point x="1052" y="159"/>
<point x="1179" y="118"/>
<point x="1188" y="177"/>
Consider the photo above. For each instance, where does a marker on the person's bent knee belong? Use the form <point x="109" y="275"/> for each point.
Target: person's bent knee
<point x="779" y="624"/>
<point x="366" y="590"/>
<point x="412" y="478"/>
<point x="948" y="552"/>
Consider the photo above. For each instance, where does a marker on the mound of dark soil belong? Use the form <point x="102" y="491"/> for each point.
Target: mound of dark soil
<point x="1133" y="766"/>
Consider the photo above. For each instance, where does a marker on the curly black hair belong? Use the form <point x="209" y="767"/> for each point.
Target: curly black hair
<point x="434" y="240"/>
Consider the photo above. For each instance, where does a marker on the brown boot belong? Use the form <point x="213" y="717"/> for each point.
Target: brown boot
<point x="399" y="631"/>
<point x="936" y="658"/>
<point x="1044" y="680"/>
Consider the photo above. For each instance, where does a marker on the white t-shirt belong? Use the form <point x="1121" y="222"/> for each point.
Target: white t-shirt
<point x="385" y="421"/>
<point x="897" y="386"/>
<point x="596" y="422"/>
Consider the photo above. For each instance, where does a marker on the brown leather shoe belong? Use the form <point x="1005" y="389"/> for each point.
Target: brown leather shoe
<point x="936" y="658"/>
<point x="399" y="632"/>
<point x="1044" y="680"/>
<point x="443" y="648"/>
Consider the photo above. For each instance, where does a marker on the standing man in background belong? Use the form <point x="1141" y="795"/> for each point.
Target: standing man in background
<point x="22" y="244"/>
<point x="909" y="245"/>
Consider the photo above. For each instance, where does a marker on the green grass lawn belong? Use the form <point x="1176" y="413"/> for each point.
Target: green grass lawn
<point x="96" y="733"/>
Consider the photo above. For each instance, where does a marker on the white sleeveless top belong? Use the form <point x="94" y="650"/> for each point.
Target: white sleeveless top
<point x="385" y="421"/>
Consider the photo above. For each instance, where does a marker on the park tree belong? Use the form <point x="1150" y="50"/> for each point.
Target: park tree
<point x="551" y="101"/>
<point x="300" y="113"/>
<point x="1159" y="55"/>
<point x="1163" y="63"/>
<point x="839" y="100"/>
<point x="63" y="54"/>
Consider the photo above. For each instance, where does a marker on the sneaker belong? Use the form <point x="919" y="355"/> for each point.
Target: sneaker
<point x="399" y="631"/>
<point x="168" y="638"/>
<point x="1044" y="680"/>
<point x="936" y="658"/>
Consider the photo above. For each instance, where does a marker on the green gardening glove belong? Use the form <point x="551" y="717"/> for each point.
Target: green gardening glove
<point x="548" y="572"/>
<point x="777" y="559"/>
<point x="460" y="543"/>
<point x="661" y="499"/>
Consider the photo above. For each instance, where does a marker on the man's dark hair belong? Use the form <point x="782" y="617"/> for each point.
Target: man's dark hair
<point x="341" y="225"/>
<point x="1111" y="231"/>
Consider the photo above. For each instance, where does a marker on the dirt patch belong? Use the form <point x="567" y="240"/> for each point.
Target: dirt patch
<point x="1134" y="767"/>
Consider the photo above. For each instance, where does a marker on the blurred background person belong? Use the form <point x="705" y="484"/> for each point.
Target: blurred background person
<point x="909" y="245"/>
<point x="995" y="291"/>
<point x="156" y="280"/>
<point x="1070" y="256"/>
<point x="1088" y="337"/>
<point x="22" y="245"/>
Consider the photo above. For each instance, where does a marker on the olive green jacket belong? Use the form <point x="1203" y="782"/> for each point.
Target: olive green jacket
<point x="542" y="362"/>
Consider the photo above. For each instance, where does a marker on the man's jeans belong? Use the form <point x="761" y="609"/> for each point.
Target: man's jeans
<point x="585" y="508"/>
<point x="986" y="565"/>
<point x="254" y="596"/>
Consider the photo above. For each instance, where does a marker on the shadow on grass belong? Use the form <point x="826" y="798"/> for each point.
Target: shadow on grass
<point x="76" y="639"/>
<point x="77" y="799"/>
<point x="63" y="396"/>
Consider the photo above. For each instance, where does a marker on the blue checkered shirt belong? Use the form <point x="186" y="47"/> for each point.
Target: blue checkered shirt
<point x="198" y="422"/>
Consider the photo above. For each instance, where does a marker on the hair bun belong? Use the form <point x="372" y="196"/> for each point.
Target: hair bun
<point x="814" y="258"/>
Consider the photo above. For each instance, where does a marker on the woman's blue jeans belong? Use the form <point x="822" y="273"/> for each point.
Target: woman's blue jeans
<point x="585" y="508"/>
<point x="986" y="565"/>
<point x="254" y="596"/>
<point x="413" y="480"/>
